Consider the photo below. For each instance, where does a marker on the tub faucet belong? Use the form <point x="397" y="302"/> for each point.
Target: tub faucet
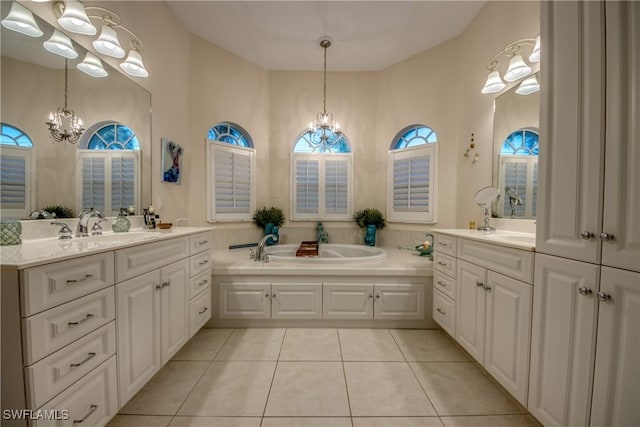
<point x="260" y="255"/>
<point x="83" y="224"/>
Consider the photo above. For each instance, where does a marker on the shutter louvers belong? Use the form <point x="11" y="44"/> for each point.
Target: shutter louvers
<point x="232" y="182"/>
<point x="336" y="186"/>
<point x="13" y="182"/>
<point x="307" y="186"/>
<point x="93" y="183"/>
<point x="515" y="177"/>
<point x="123" y="172"/>
<point x="411" y="184"/>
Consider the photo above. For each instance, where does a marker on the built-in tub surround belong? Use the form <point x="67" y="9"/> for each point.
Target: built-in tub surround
<point x="328" y="253"/>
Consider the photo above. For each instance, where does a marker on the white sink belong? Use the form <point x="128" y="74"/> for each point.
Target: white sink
<point x="528" y="239"/>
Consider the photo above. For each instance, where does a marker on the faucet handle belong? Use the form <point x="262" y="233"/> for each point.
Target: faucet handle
<point x="65" y="232"/>
<point x="96" y="230"/>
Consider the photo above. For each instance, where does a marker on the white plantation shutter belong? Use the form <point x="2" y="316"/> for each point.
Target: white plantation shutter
<point x="521" y="174"/>
<point x="321" y="186"/>
<point x="15" y="182"/>
<point x="412" y="184"/>
<point x="231" y="182"/>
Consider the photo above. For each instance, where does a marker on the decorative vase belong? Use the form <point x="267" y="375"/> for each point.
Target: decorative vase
<point x="122" y="223"/>
<point x="10" y="232"/>
<point x="370" y="235"/>
<point x="271" y="229"/>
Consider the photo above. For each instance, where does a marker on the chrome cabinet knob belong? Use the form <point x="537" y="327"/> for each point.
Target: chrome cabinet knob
<point x="584" y="291"/>
<point x="487" y="288"/>
<point x="602" y="296"/>
<point x="586" y="235"/>
<point x="606" y="237"/>
<point x="479" y="284"/>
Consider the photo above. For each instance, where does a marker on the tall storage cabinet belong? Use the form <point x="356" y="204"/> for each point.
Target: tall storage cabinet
<point x="584" y="368"/>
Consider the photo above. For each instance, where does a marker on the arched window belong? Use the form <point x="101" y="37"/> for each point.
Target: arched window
<point x="109" y="165"/>
<point x="412" y="177"/>
<point x="321" y="176"/>
<point x="231" y="167"/>
<point x="16" y="172"/>
<point x="519" y="172"/>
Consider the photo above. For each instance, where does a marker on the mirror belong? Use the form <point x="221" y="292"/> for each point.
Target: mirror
<point x="485" y="198"/>
<point x="33" y="86"/>
<point x="515" y="153"/>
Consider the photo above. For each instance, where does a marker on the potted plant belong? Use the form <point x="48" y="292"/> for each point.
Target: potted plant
<point x="371" y="219"/>
<point x="270" y="220"/>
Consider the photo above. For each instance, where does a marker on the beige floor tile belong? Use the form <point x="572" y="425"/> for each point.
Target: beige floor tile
<point x="487" y="421"/>
<point x="385" y="389"/>
<point x="308" y="389"/>
<point x="204" y="345"/>
<point x="311" y="344"/>
<point x="252" y="344"/>
<point x="231" y="389"/>
<point x="397" y="422"/>
<point x="426" y="346"/>
<point x="534" y="421"/>
<point x="459" y="388"/>
<point x="363" y="345"/>
<point x="139" y="421"/>
<point x="166" y="391"/>
<point x="215" y="422"/>
<point x="306" y="422"/>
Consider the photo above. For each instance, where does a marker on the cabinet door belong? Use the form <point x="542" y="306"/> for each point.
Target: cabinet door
<point x="296" y="301"/>
<point x="245" y="301"/>
<point x="444" y="312"/>
<point x="174" y="308"/>
<point x="138" y="326"/>
<point x="563" y="340"/>
<point x="508" y="333"/>
<point x="398" y="302"/>
<point x="347" y="301"/>
<point x="571" y="124"/>
<point x="617" y="374"/>
<point x="470" y="308"/>
<point x="622" y="189"/>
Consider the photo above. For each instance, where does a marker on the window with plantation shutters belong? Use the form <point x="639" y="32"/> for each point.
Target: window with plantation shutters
<point x="231" y="183"/>
<point x="16" y="173"/>
<point x="411" y="182"/>
<point x="519" y="171"/>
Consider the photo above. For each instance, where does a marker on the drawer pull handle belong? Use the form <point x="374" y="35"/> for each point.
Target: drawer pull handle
<point x="87" y="317"/>
<point x="441" y="283"/>
<point x="370" y="296"/>
<point x="204" y="282"/>
<point x="443" y="244"/>
<point x="83" y="419"/>
<point x="86" y="277"/>
<point x="206" y="261"/>
<point x="158" y="287"/>
<point x="89" y="357"/>
<point x="203" y="310"/>
<point x="487" y="288"/>
<point x="203" y="242"/>
<point x="441" y="311"/>
<point x="480" y="284"/>
<point x="442" y="263"/>
<point x="378" y="296"/>
<point x="166" y="284"/>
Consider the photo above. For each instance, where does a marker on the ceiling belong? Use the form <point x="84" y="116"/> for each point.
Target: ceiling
<point x="366" y="35"/>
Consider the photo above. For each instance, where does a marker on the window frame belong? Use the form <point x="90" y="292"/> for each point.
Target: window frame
<point x="28" y="153"/>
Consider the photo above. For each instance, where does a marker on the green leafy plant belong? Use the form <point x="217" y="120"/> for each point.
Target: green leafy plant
<point x="60" y="211"/>
<point x="369" y="216"/>
<point x="273" y="215"/>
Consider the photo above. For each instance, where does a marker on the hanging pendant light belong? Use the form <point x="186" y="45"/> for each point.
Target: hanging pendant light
<point x="107" y="43"/>
<point x="535" y="54"/>
<point x="63" y="124"/>
<point x="528" y="86"/>
<point x="133" y="65"/>
<point x="92" y="66"/>
<point x="20" y="19"/>
<point x="517" y="69"/>
<point x="60" y="45"/>
<point x="75" y="19"/>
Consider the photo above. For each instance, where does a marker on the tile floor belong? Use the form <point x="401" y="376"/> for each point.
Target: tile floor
<point x="321" y="378"/>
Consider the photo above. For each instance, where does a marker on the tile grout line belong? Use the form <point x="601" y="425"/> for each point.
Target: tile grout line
<point x="273" y="376"/>
<point x="344" y="376"/>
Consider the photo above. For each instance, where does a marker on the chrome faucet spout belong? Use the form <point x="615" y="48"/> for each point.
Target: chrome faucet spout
<point x="83" y="223"/>
<point x="260" y="251"/>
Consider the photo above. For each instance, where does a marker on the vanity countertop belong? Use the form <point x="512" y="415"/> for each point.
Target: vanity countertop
<point x="43" y="251"/>
<point x="512" y="239"/>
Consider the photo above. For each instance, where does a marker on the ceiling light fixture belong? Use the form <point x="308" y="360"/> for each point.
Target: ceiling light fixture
<point x="108" y="44"/>
<point x="535" y="54"/>
<point x="92" y="66"/>
<point x="61" y="45"/>
<point x="20" y="19"/>
<point x="75" y="19"/>
<point x="324" y="122"/>
<point x="517" y="68"/>
<point x="63" y="124"/>
<point x="528" y="86"/>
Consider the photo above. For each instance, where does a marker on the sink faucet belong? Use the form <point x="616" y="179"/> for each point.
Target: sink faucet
<point x="260" y="255"/>
<point x="83" y="224"/>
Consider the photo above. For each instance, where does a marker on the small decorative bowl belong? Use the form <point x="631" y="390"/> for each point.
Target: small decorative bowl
<point x="424" y="251"/>
<point x="165" y="225"/>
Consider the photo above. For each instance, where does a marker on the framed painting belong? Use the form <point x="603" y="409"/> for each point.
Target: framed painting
<point x="171" y="162"/>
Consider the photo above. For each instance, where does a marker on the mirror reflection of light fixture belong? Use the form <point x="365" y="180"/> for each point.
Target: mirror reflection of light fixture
<point x="92" y="66"/>
<point x="108" y="44"/>
<point x="324" y="121"/>
<point x="528" y="86"/>
<point x="63" y="124"/>
<point x="61" y="45"/>
<point x="75" y="19"/>
<point x="517" y="68"/>
<point x="133" y="64"/>
<point x="20" y="19"/>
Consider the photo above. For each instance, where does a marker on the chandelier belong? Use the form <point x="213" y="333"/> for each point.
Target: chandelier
<point x="324" y="130"/>
<point x="64" y="125"/>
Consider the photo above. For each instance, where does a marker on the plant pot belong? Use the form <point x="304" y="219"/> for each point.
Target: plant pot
<point x="271" y="229"/>
<point x="370" y="235"/>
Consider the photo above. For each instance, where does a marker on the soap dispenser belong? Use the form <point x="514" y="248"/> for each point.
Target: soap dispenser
<point x="122" y="223"/>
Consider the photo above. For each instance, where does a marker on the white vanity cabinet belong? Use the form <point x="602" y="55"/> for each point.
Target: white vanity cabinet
<point x="373" y="301"/>
<point x="200" y="281"/>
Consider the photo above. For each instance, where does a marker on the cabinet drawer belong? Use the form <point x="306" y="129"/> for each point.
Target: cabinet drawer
<point x="445" y="244"/>
<point x="58" y="371"/>
<point x="50" y="285"/>
<point x="444" y="263"/>
<point x="444" y="312"/>
<point x="511" y="262"/>
<point x="199" y="283"/>
<point x="445" y="284"/>
<point x="199" y="242"/>
<point x="92" y="401"/>
<point x="51" y="330"/>
<point x="200" y="263"/>
<point x="138" y="260"/>
<point x="199" y="311"/>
